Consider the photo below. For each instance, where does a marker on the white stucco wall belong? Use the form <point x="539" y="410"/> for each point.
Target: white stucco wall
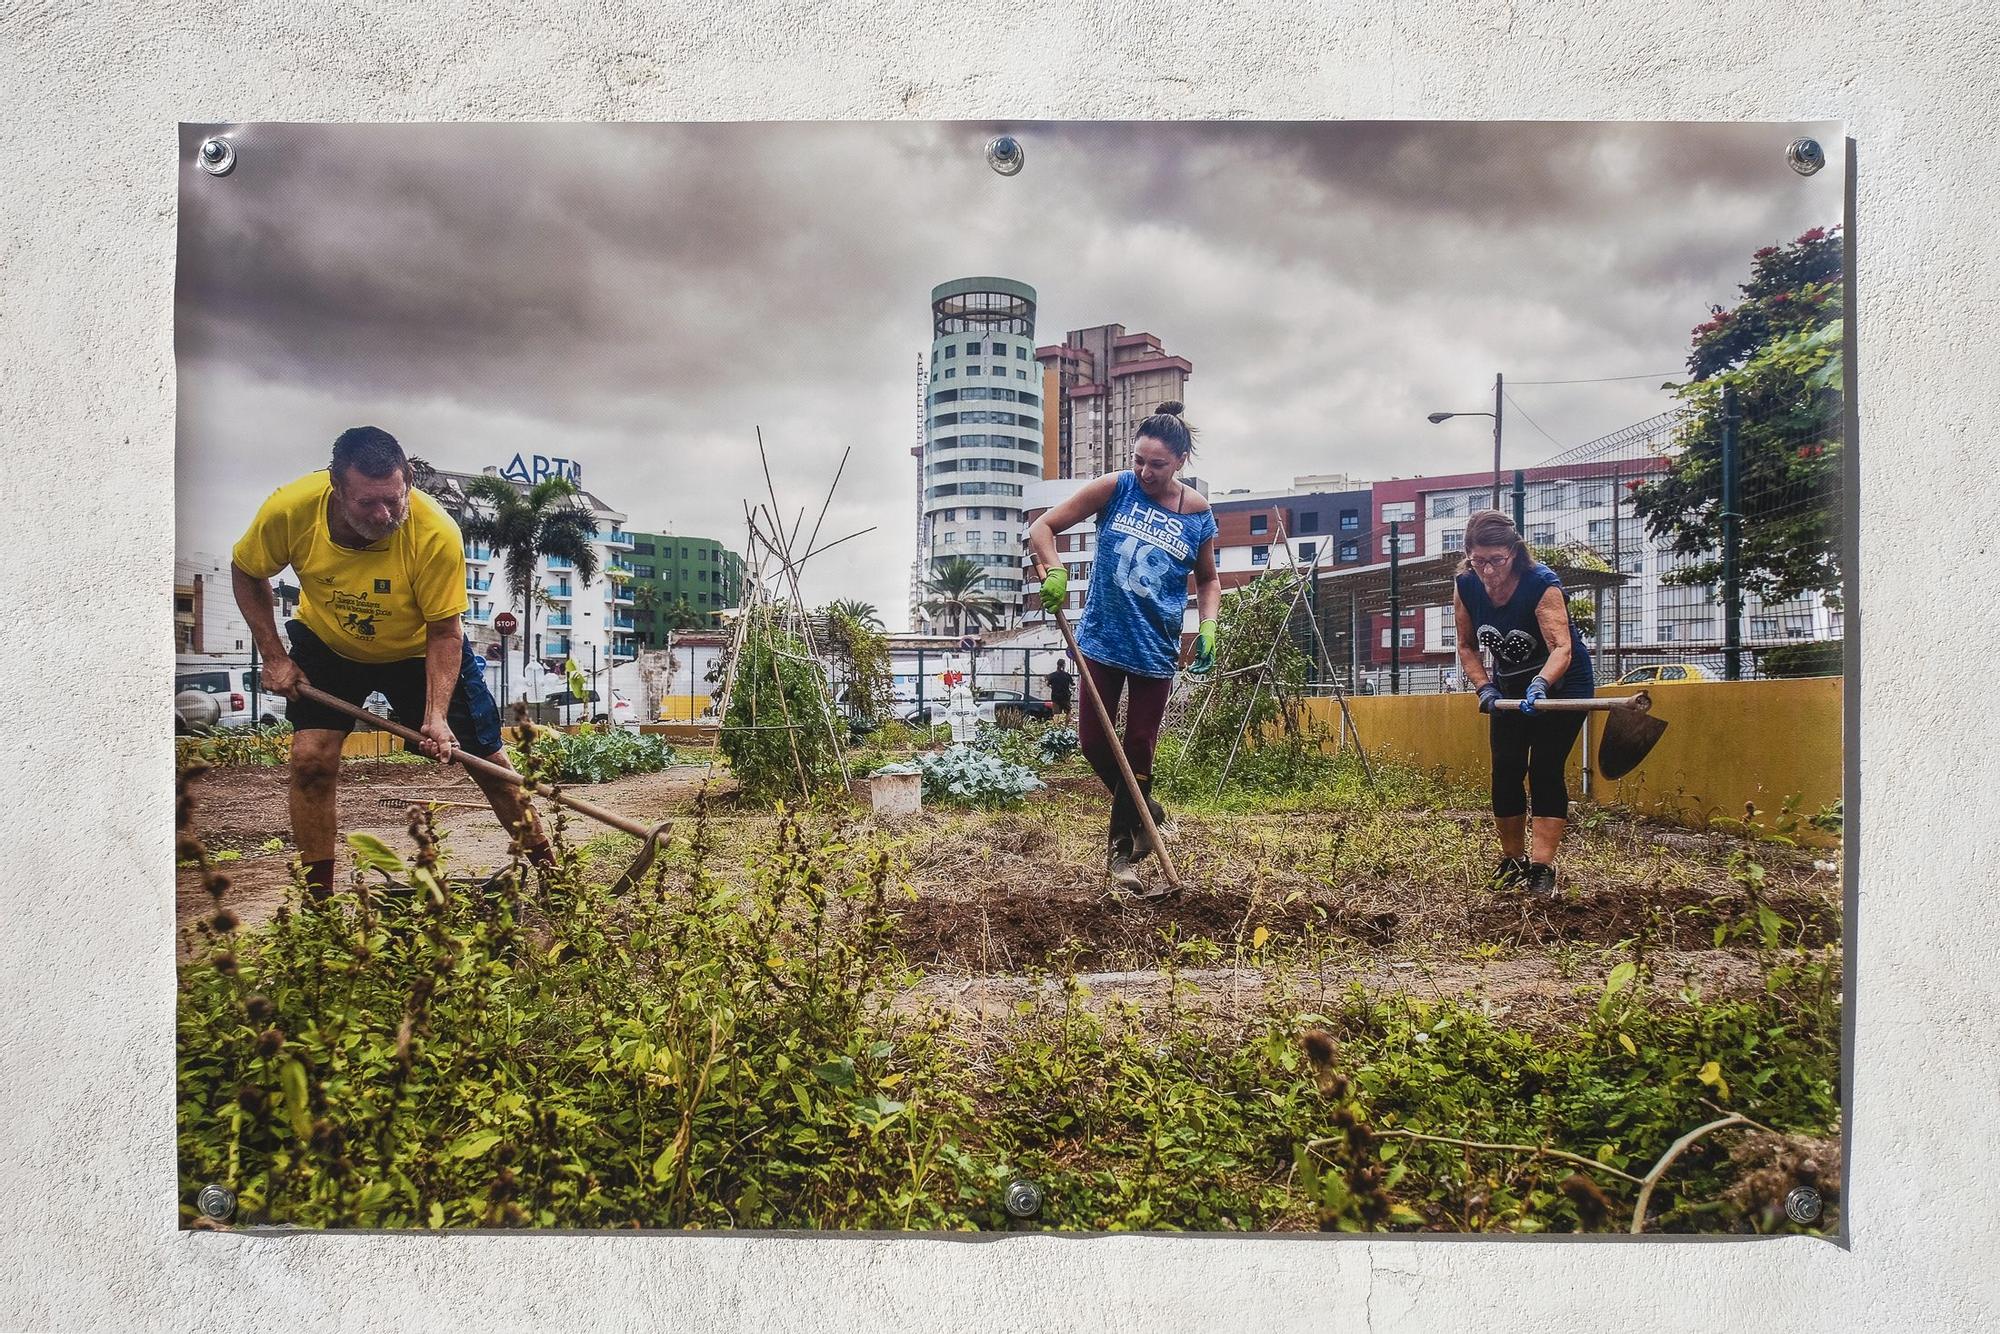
<point x="87" y="241"/>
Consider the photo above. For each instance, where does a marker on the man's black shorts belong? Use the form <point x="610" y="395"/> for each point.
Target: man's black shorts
<point x="473" y="716"/>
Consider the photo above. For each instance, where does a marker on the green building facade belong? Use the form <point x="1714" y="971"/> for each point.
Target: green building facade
<point x="699" y="571"/>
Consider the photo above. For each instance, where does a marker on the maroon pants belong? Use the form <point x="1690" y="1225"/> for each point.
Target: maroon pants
<point x="1142" y="723"/>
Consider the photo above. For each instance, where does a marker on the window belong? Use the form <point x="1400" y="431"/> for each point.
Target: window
<point x="951" y="349"/>
<point x="1444" y="506"/>
<point x="1454" y="539"/>
<point x="1020" y="375"/>
<point x="946" y="515"/>
<point x="1350" y="520"/>
<point x="951" y="372"/>
<point x="1600" y="532"/>
<point x="1405" y="638"/>
<point x="973" y="370"/>
<point x="951" y="539"/>
<point x="1402" y="511"/>
<point x="1309" y="521"/>
<point x="1542" y="534"/>
<point x="1405" y="543"/>
<point x="642" y="549"/>
<point x="1350" y="551"/>
<point x="642" y="572"/>
<point x="1593" y="495"/>
<point x="1000" y="540"/>
<point x="1448" y="631"/>
<point x="1260" y="555"/>
<point x="1306" y="550"/>
<point x="1631" y="562"/>
<point x="1260" y="524"/>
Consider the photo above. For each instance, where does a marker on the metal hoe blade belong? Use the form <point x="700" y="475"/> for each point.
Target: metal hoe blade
<point x="1630" y="733"/>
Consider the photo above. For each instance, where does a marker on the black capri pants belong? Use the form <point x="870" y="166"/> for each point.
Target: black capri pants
<point x="1536" y="749"/>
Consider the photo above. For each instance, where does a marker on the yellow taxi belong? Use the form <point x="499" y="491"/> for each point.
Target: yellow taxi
<point x="1660" y="673"/>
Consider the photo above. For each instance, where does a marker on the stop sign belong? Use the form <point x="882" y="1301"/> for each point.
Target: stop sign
<point x="504" y="623"/>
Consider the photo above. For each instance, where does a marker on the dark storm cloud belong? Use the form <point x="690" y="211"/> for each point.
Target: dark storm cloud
<point x="642" y="297"/>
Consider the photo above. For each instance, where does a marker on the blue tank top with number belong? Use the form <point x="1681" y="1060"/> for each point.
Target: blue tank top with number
<point x="1138" y="581"/>
<point x="1512" y="637"/>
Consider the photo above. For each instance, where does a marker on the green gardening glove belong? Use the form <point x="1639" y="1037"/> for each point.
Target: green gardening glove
<point x="1204" y="649"/>
<point x="1055" y="590"/>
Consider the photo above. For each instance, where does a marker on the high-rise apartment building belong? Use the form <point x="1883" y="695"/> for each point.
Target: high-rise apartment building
<point x="1108" y="381"/>
<point x="982" y="433"/>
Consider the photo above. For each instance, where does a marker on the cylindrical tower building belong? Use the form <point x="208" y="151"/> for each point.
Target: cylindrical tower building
<point x="982" y="430"/>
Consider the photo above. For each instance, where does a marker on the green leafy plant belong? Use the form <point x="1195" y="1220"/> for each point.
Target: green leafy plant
<point x="967" y="776"/>
<point x="778" y="734"/>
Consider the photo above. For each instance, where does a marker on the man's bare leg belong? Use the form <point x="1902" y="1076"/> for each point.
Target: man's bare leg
<point x="314" y="794"/>
<point x="510" y="804"/>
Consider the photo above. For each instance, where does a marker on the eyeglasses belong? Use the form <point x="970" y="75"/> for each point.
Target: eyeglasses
<point x="1489" y="562"/>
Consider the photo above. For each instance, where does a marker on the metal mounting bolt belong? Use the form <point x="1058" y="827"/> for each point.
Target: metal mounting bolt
<point x="1805" y="156"/>
<point x="1802" y="1205"/>
<point x="1023" y="1198"/>
<point x="216" y="157"/>
<point x="1005" y="154"/>
<point x="216" y="1202"/>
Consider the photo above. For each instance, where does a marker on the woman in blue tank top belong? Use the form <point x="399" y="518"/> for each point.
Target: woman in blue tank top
<point x="1153" y="532"/>
<point x="1512" y="609"/>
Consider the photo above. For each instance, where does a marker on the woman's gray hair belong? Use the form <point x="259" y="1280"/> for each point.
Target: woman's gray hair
<point x="1491" y="528"/>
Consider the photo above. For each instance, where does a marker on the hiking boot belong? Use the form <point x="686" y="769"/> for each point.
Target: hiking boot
<point x="1122" y="871"/>
<point x="1508" y="874"/>
<point x="1541" y="880"/>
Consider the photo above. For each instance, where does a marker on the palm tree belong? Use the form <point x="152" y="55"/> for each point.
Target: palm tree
<point x="861" y="613"/>
<point x="646" y="597"/>
<point x="548" y="519"/>
<point x="953" y="590"/>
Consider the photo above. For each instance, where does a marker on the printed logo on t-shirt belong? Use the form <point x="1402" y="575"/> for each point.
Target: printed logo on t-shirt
<point x="1151" y="525"/>
<point x="1515" y="649"/>
<point x="381" y="585"/>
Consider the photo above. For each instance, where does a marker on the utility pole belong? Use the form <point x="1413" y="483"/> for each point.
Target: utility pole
<point x="1395" y="609"/>
<point x="1732" y="541"/>
<point x="1520" y="504"/>
<point x="1497" y="397"/>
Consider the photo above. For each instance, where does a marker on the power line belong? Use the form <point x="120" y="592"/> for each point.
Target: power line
<point x="1532" y="422"/>
<point x="1602" y="379"/>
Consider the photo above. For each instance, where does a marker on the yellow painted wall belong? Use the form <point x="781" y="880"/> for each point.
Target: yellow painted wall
<point x="367" y="743"/>
<point x="681" y="708"/>
<point x="1727" y="743"/>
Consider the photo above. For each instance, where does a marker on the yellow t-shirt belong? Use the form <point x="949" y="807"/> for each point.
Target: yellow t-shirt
<point x="370" y="604"/>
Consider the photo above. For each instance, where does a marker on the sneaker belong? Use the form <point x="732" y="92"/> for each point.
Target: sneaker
<point x="1541" y="880"/>
<point x="1508" y="874"/>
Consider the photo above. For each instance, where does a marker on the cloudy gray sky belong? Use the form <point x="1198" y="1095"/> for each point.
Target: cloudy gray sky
<point x="643" y="297"/>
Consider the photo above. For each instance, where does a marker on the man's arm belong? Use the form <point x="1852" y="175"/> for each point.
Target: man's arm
<point x="444" y="654"/>
<point x="260" y="611"/>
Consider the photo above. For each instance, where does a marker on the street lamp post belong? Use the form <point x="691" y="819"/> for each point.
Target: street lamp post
<point x="1498" y="386"/>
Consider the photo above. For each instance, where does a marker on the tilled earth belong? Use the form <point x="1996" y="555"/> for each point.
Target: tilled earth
<point x="1394" y="900"/>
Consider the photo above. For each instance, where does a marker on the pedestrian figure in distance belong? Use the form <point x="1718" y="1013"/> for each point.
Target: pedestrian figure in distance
<point x="381" y="572"/>
<point x="1061" y="686"/>
<point x="1153" y="532"/>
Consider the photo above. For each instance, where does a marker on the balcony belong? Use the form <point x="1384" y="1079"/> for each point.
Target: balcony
<point x="624" y="566"/>
<point x="621" y="595"/>
<point x="618" y="537"/>
<point x="561" y="563"/>
<point x="478" y="553"/>
<point x="559" y="621"/>
<point x="623" y="623"/>
<point x="480" y="616"/>
<point x="560" y="592"/>
<point x="475" y="584"/>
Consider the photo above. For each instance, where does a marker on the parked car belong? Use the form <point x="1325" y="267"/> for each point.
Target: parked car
<point x="1661" y="673"/>
<point x="1037" y="709"/>
<point x="232" y="688"/>
<point x="561" y="706"/>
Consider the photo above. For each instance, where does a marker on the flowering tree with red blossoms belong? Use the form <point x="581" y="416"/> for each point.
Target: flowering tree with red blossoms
<point x="1781" y="349"/>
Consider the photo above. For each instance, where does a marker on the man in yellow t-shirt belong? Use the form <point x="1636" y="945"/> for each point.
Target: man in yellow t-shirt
<point x="381" y="573"/>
